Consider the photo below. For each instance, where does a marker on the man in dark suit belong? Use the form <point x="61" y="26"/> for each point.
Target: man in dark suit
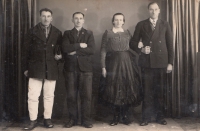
<point x="78" y="48"/>
<point x="155" y="59"/>
<point x="39" y="63"/>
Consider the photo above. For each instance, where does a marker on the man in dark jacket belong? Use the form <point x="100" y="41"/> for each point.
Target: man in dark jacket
<point x="155" y="59"/>
<point x="39" y="62"/>
<point x="78" y="48"/>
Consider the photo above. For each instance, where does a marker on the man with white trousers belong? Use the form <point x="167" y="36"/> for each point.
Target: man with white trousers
<point x="40" y="55"/>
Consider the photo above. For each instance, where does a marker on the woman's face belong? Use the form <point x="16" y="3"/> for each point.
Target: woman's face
<point x="118" y="21"/>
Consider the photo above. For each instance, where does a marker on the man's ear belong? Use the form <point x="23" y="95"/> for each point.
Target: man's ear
<point x="159" y="10"/>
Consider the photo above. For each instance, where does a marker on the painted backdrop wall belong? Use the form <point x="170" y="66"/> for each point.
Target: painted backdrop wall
<point x="98" y="15"/>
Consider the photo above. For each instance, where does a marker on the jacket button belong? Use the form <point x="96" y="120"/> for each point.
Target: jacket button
<point x="150" y="41"/>
<point x="160" y="50"/>
<point x="160" y="41"/>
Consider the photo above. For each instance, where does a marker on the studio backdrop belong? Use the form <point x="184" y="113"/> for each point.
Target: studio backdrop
<point x="16" y="17"/>
<point x="180" y="90"/>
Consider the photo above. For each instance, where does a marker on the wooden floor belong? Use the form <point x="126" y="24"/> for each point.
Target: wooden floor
<point x="184" y="124"/>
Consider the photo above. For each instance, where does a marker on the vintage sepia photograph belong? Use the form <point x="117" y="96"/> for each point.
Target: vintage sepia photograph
<point x="100" y="65"/>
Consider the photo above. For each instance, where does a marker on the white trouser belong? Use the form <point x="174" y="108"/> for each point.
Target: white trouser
<point x="34" y="91"/>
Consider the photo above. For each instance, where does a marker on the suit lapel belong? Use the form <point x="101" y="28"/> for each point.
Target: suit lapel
<point x="39" y="33"/>
<point x="82" y="35"/>
<point x="147" y="28"/>
<point x="73" y="33"/>
<point x="156" y="31"/>
<point x="52" y="33"/>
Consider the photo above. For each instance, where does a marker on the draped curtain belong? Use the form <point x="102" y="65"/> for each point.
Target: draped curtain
<point x="16" y="17"/>
<point x="182" y="93"/>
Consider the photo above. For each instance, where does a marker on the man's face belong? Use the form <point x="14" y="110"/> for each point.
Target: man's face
<point x="46" y="18"/>
<point x="78" y="20"/>
<point x="154" y="11"/>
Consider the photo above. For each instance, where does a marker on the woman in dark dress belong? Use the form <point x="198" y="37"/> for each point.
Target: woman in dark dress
<point x="120" y="70"/>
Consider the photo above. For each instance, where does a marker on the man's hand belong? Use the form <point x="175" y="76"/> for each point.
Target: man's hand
<point x="83" y="45"/>
<point x="26" y="73"/>
<point x="104" y="72"/>
<point x="169" y="68"/>
<point x="146" y="50"/>
<point x="58" y="57"/>
<point x="72" y="53"/>
<point x="140" y="45"/>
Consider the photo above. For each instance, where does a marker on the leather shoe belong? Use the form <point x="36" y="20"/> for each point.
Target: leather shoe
<point x="70" y="123"/>
<point x="31" y="125"/>
<point x="87" y="125"/>
<point x="162" y="121"/>
<point x="126" y="120"/>
<point x="144" y="123"/>
<point x="115" y="121"/>
<point x="48" y="123"/>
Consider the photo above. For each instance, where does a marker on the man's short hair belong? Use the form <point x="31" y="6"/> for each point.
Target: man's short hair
<point x="151" y="3"/>
<point x="78" y="13"/>
<point x="46" y="9"/>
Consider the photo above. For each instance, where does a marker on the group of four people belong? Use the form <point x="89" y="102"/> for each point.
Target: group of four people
<point x="45" y="45"/>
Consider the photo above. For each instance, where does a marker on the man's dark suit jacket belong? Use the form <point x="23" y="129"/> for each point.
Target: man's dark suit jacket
<point x="160" y="40"/>
<point x="71" y="42"/>
<point x="38" y="53"/>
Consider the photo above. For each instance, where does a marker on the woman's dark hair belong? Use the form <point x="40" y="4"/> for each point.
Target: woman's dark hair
<point x="118" y="14"/>
<point x="46" y="9"/>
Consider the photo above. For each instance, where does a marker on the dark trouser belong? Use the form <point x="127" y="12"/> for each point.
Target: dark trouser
<point x="79" y="82"/>
<point x="152" y="82"/>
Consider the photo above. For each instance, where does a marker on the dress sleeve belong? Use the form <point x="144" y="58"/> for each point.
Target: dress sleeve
<point x="129" y="33"/>
<point x="103" y="49"/>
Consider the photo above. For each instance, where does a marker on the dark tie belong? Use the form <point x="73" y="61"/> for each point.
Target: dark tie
<point x="46" y="32"/>
<point x="78" y="33"/>
<point x="153" y="25"/>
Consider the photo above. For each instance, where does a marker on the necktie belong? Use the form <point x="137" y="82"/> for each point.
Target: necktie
<point x="153" y="24"/>
<point x="46" y="32"/>
<point x="78" y="33"/>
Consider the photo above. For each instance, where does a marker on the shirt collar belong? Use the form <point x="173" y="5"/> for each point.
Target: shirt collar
<point x="151" y="20"/>
<point x="44" y="27"/>
<point x="115" y="30"/>
<point x="79" y="29"/>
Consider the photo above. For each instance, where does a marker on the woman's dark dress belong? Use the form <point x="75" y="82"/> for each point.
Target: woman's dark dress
<point x="122" y="80"/>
